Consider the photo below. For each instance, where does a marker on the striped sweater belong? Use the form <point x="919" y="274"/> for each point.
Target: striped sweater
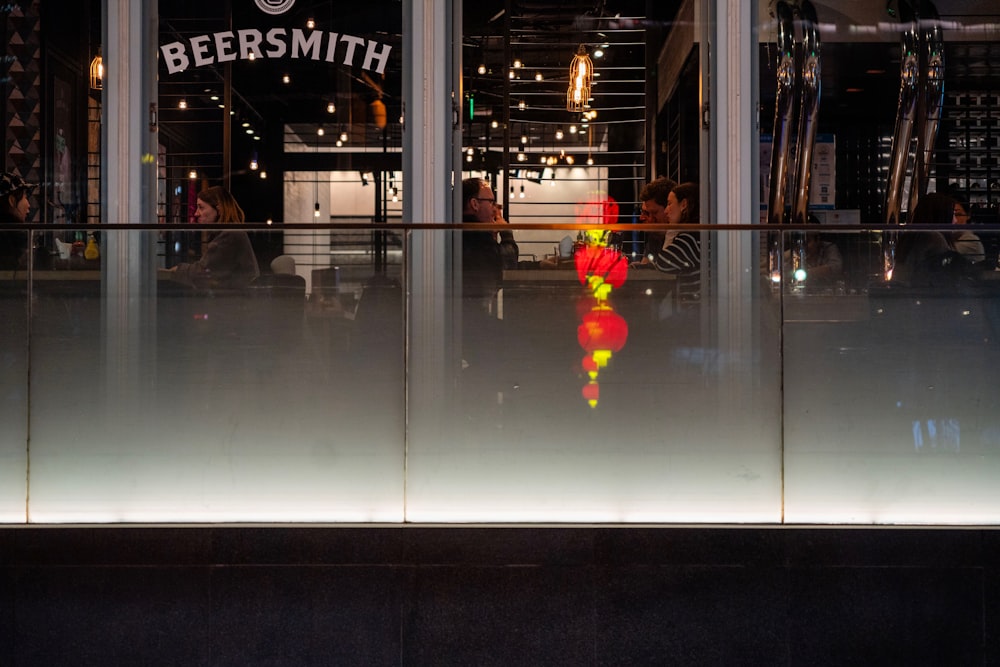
<point x="681" y="256"/>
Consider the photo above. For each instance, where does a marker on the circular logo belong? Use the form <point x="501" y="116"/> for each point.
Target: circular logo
<point x="274" y="7"/>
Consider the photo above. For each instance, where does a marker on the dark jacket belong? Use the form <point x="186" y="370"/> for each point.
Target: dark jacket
<point x="483" y="261"/>
<point x="227" y="263"/>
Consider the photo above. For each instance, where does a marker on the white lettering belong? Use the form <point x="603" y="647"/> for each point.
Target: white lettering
<point x="224" y="46"/>
<point x="331" y="46"/>
<point x="301" y="45"/>
<point x="352" y="43"/>
<point x="250" y="43"/>
<point x="276" y="38"/>
<point x="174" y="54"/>
<point x="199" y="47"/>
<point x="382" y="57"/>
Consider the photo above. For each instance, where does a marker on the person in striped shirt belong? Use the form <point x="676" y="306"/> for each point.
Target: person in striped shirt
<point x="681" y="251"/>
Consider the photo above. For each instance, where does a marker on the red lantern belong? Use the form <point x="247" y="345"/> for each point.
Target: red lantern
<point x="602" y="329"/>
<point x="609" y="265"/>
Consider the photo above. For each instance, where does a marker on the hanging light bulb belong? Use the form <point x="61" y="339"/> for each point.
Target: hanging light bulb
<point x="331" y="107"/>
<point x="517" y="63"/>
<point x="286" y="79"/>
<point x="182" y="104"/>
<point x="521" y="157"/>
<point x="495" y="124"/>
<point x="572" y="129"/>
<point x="343" y="136"/>
<point x="581" y="78"/>
<point x="524" y="138"/>
<point x="538" y="76"/>
<point x="320" y="131"/>
<point x="559" y="133"/>
<point x="590" y="159"/>
<point x="192" y="174"/>
<point x="481" y="69"/>
<point x="253" y="162"/>
<point x="251" y="56"/>
<point x="570" y="159"/>
<point x="263" y="174"/>
<point x="310" y="23"/>
<point x="97" y="71"/>
<point x="316" y="212"/>
<point x="521" y="195"/>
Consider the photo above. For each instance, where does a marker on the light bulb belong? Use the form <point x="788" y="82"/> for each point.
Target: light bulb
<point x="482" y="69"/>
<point x="331" y="107"/>
<point x="320" y="131"/>
<point x="316" y="212"/>
<point x="182" y="104"/>
<point x="522" y="105"/>
<point x="286" y="79"/>
<point x="310" y="24"/>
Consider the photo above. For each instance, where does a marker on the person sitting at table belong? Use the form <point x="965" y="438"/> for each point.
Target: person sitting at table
<point x="484" y="257"/>
<point x="653" y="198"/>
<point x="228" y="260"/>
<point x="966" y="241"/>
<point x="824" y="263"/>
<point x="14" y="207"/>
<point x="927" y="258"/>
<point x="681" y="251"/>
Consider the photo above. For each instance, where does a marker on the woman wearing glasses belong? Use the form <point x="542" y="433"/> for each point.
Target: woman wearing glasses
<point x="965" y="241"/>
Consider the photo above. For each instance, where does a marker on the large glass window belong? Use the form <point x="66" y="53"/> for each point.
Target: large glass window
<point x="800" y="326"/>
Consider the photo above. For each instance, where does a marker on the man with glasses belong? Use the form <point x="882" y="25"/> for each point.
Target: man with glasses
<point x="653" y="210"/>
<point x="484" y="257"/>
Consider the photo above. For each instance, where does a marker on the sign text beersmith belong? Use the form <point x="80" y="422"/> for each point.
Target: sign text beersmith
<point x="276" y="43"/>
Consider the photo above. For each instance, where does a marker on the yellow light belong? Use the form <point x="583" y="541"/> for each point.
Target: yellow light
<point x="97" y="72"/>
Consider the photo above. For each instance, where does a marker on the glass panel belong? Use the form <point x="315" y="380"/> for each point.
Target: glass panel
<point x="888" y="416"/>
<point x="13" y="375"/>
<point x="623" y="403"/>
<point x="220" y="401"/>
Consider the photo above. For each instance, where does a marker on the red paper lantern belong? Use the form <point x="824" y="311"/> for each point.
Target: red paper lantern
<point x="602" y="329"/>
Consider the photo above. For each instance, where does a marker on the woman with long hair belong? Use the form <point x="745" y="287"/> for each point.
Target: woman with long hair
<point x="681" y="251"/>
<point x="228" y="260"/>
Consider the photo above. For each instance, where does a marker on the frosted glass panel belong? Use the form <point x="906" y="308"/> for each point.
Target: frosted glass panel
<point x="257" y="404"/>
<point x="890" y="399"/>
<point x="680" y="424"/>
<point x="13" y="392"/>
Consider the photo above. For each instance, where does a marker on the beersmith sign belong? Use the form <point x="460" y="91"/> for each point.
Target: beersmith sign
<point x="250" y="44"/>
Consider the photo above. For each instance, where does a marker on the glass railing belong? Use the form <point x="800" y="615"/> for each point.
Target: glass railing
<point x="360" y="378"/>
